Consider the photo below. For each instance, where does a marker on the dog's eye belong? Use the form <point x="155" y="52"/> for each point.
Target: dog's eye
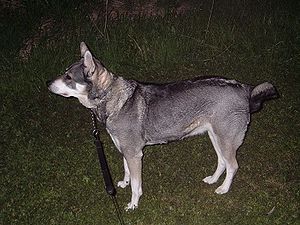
<point x="68" y="77"/>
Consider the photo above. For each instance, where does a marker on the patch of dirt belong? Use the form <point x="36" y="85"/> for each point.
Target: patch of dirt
<point x="113" y="10"/>
<point x="30" y="43"/>
<point x="130" y="9"/>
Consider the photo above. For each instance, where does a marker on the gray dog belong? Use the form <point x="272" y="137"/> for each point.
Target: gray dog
<point x="137" y="114"/>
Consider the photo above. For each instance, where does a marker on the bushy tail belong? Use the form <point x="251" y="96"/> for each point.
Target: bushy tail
<point x="261" y="93"/>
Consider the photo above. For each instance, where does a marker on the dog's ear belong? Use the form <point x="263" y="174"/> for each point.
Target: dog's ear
<point x="83" y="48"/>
<point x="89" y="63"/>
<point x="88" y="60"/>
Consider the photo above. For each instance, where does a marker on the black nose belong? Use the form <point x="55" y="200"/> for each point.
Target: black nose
<point x="48" y="83"/>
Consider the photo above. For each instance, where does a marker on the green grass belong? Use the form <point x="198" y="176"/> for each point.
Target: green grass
<point x="49" y="168"/>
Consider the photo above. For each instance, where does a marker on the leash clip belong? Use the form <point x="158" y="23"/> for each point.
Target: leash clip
<point x="96" y="133"/>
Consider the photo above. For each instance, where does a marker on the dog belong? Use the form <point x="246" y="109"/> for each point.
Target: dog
<point x="137" y="114"/>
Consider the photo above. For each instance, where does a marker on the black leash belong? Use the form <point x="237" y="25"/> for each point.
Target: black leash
<point x="109" y="186"/>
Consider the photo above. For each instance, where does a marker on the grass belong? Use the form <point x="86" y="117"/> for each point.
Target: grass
<point x="49" y="168"/>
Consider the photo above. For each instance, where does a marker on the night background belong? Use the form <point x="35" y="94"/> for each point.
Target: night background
<point x="49" y="167"/>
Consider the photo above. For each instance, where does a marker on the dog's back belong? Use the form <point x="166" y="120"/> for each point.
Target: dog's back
<point x="175" y="110"/>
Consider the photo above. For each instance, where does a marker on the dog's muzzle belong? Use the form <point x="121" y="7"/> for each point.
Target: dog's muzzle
<point x="50" y="86"/>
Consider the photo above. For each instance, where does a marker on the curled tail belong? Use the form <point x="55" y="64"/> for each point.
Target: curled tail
<point x="261" y="93"/>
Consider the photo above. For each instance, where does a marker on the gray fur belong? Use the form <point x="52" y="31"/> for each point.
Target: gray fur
<point x="137" y="114"/>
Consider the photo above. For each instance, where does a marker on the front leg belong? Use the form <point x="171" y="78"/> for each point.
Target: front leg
<point x="135" y="168"/>
<point x="131" y="145"/>
<point x="125" y="182"/>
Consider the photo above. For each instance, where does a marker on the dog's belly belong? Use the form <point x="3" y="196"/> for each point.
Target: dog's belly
<point x="165" y="135"/>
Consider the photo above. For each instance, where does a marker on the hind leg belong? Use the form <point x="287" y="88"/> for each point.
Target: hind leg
<point x="229" y="146"/>
<point x="230" y="142"/>
<point x="231" y="164"/>
<point x="226" y="140"/>
<point x="221" y="163"/>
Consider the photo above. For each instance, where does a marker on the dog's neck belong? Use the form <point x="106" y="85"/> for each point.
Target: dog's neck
<point x="109" y="101"/>
<point x="120" y="92"/>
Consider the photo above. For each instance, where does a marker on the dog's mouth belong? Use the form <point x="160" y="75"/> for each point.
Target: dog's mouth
<point x="64" y="94"/>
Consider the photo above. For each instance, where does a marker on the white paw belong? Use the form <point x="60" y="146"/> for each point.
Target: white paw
<point x="209" y="180"/>
<point x="221" y="190"/>
<point x="131" y="206"/>
<point x="123" y="184"/>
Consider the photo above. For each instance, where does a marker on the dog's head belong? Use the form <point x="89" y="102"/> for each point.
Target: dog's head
<point x="86" y="79"/>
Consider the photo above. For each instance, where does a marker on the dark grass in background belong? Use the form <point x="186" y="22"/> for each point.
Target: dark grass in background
<point x="49" y="168"/>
